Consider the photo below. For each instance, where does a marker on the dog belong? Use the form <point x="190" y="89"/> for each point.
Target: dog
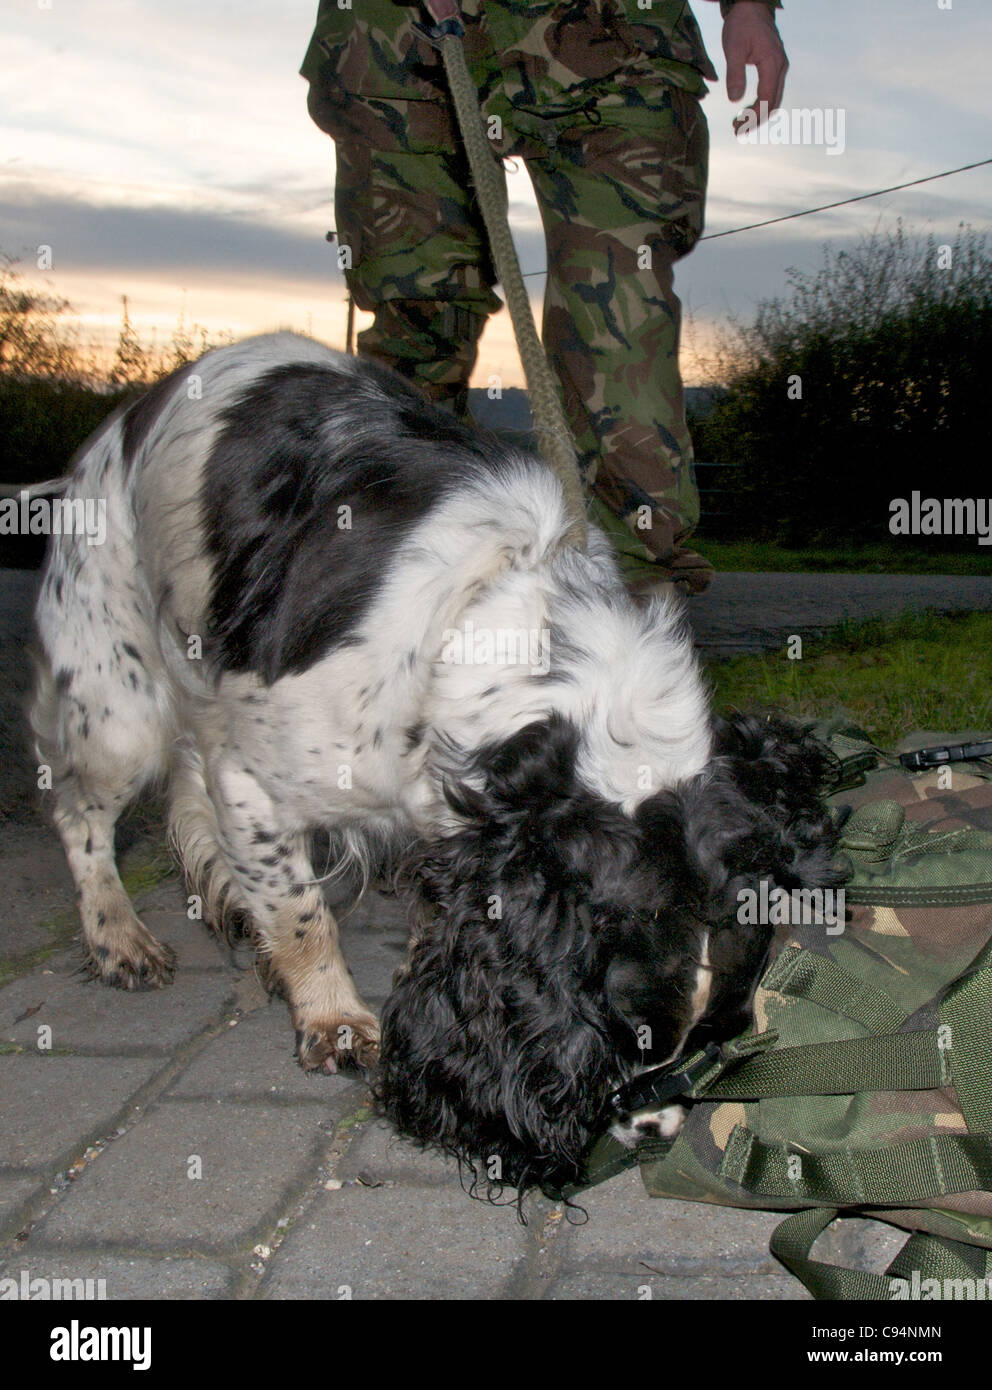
<point x="323" y="603"/>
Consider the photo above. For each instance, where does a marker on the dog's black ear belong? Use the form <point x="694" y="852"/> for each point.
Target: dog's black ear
<point x="780" y="771"/>
<point x="494" y="1048"/>
<point x="755" y="815"/>
<point x="772" y="758"/>
<point x="497" y="1043"/>
<point x="531" y="797"/>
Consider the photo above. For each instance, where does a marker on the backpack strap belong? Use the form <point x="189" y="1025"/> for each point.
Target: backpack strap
<point x="966" y="1010"/>
<point x="889" y="1062"/>
<point x="890" y="1175"/>
<point x="803" y="974"/>
<point x="609" y="1158"/>
<point x="923" y="1257"/>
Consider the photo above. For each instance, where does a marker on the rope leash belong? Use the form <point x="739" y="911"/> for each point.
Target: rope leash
<point x="554" y="436"/>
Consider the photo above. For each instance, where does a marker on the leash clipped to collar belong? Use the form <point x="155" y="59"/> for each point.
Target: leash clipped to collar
<point x="554" y="436"/>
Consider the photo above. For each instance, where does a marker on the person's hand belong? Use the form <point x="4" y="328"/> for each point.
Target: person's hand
<point x="751" y="38"/>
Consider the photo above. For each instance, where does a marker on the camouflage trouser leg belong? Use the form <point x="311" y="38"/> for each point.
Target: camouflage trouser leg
<point x="621" y="203"/>
<point x="419" y="262"/>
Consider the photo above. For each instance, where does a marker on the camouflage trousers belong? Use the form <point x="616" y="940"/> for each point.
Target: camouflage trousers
<point x="621" y="190"/>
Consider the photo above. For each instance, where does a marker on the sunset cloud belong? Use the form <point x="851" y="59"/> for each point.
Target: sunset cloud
<point x="165" y="153"/>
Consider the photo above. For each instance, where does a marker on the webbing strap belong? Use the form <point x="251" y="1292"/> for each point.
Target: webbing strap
<point x="967" y="1010"/>
<point x="939" y="1257"/>
<point x="805" y="975"/>
<point x="891" y="1062"/>
<point x="923" y="1257"/>
<point x="891" y="1175"/>
<point x="609" y="1158"/>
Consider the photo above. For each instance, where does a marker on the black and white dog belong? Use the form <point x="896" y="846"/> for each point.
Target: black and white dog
<point x="321" y="602"/>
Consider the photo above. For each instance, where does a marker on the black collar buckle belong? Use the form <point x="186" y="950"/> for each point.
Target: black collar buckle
<point x="662" y="1083"/>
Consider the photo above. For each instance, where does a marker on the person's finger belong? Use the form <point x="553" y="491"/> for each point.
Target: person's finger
<point x="780" y="94"/>
<point x="736" y="76"/>
<point x="771" y="80"/>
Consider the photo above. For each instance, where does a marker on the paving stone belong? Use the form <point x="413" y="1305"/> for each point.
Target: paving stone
<point x="374" y="942"/>
<point x="97" y="1276"/>
<point x="137" y="1192"/>
<point x="194" y="944"/>
<point x="597" y="1286"/>
<point x="86" y="1015"/>
<point x="257" y="1059"/>
<point x="66" y="962"/>
<point x="626" y="1226"/>
<point x="860" y="1243"/>
<point x="15" y="1191"/>
<point x="393" y="1243"/>
<point x="379" y="1153"/>
<point x="167" y="896"/>
<point x="37" y="887"/>
<point x="53" y="1106"/>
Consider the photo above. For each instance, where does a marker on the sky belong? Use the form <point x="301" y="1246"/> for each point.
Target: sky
<point x="164" y="152"/>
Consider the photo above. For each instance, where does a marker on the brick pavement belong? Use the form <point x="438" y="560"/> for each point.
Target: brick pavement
<point x="168" y="1144"/>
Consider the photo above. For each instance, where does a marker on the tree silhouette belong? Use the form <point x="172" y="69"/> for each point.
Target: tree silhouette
<point x="865" y="382"/>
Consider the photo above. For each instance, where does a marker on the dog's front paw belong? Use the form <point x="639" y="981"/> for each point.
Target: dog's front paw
<point x="352" y="1040"/>
<point x="127" y="956"/>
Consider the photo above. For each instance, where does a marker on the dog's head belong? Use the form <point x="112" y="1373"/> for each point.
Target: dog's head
<point x="564" y="945"/>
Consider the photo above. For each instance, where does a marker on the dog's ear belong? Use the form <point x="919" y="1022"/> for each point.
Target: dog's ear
<point x="779" y="771"/>
<point x="497" y="1043"/>
<point x="756" y="814"/>
<point x="525" y="792"/>
<point x="494" y="1048"/>
<point x="773" y="760"/>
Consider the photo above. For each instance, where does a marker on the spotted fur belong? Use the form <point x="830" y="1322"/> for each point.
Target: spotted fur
<point x="296" y="546"/>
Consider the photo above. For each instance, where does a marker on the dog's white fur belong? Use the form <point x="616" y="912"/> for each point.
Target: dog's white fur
<point x="122" y="699"/>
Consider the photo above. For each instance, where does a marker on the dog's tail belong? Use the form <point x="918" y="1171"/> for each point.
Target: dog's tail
<point x="45" y="489"/>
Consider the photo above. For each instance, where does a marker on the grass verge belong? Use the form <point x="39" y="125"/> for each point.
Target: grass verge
<point x="919" y="671"/>
<point x="765" y="557"/>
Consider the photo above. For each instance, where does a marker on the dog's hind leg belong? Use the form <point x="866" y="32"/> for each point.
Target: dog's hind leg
<point x="102" y="728"/>
<point x="195" y="836"/>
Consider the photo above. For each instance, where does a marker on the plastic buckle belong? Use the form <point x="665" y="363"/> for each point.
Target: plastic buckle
<point x="662" y="1083"/>
<point x="922" y="758"/>
<point x="436" y="33"/>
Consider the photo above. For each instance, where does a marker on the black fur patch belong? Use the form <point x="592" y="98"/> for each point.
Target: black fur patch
<point x="140" y="418"/>
<point x="503" y="1038"/>
<point x="290" y="581"/>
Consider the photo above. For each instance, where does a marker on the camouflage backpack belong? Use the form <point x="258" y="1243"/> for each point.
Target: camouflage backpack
<point x="864" y="1086"/>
